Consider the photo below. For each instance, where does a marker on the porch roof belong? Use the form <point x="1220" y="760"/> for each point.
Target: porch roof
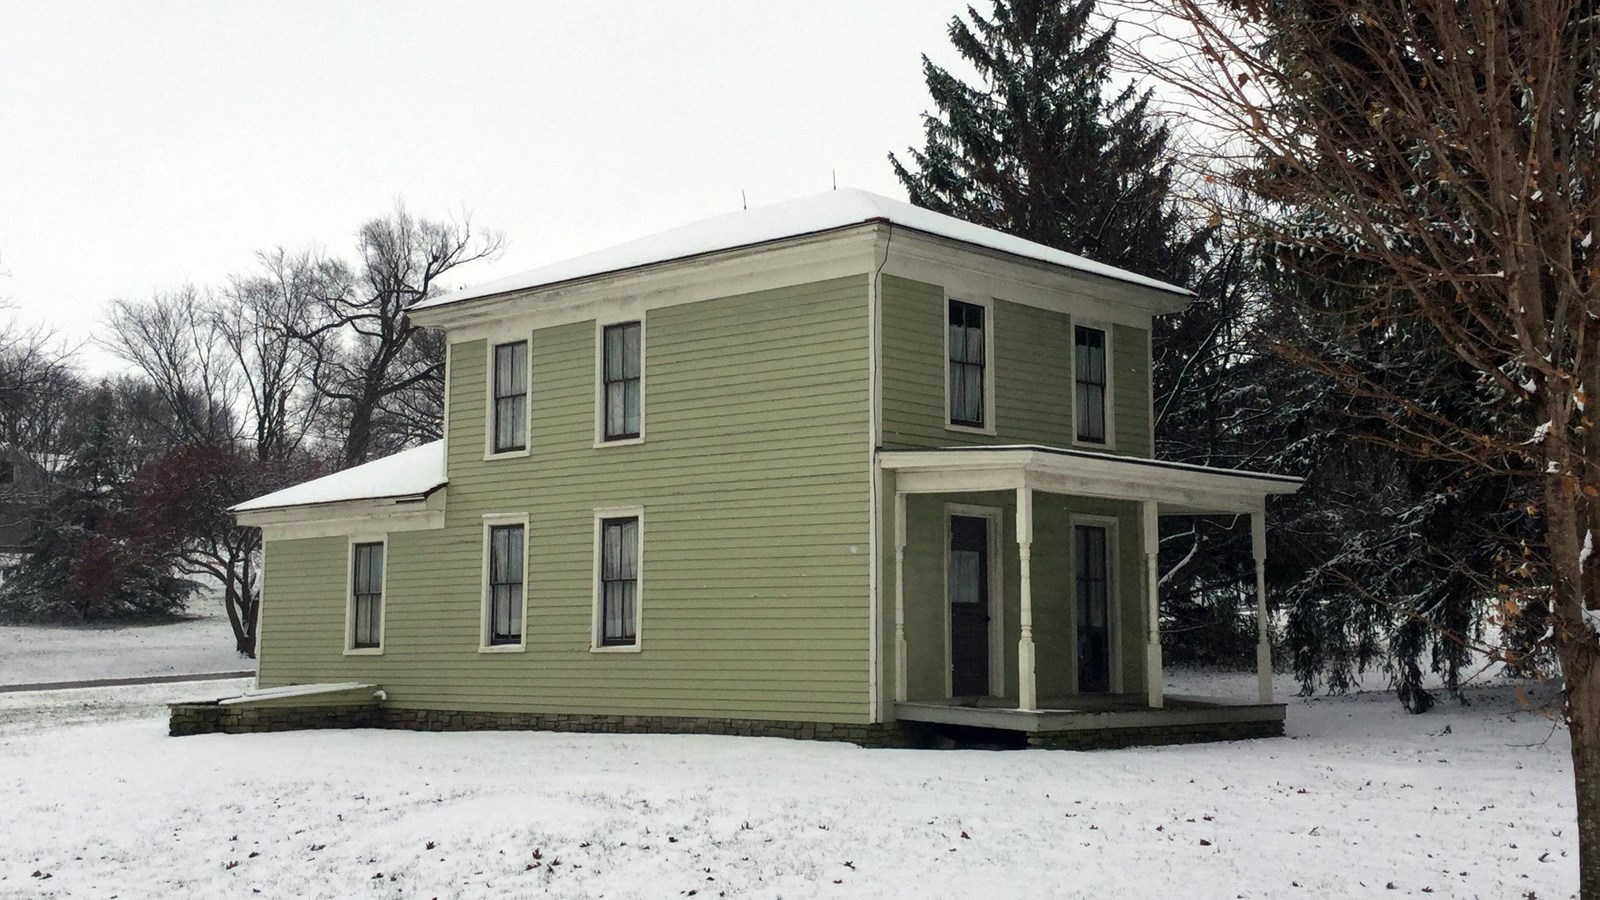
<point x="1176" y="488"/>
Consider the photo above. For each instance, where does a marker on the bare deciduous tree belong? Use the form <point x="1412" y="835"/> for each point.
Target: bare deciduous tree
<point x="375" y="361"/>
<point x="1453" y="148"/>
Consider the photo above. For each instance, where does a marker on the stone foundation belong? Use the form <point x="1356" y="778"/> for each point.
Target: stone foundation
<point x="1154" y="735"/>
<point x="882" y="735"/>
<point x="214" y="718"/>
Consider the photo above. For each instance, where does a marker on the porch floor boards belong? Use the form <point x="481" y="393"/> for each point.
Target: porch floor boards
<point x="1086" y="712"/>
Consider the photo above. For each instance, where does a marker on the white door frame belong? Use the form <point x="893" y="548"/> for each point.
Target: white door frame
<point x="995" y="516"/>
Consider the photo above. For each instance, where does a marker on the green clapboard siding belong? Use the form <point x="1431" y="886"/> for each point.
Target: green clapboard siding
<point x="754" y="483"/>
<point x="1032" y="372"/>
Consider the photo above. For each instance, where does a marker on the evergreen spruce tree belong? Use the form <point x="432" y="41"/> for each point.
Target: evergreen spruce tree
<point x="1038" y="149"/>
<point x="82" y="562"/>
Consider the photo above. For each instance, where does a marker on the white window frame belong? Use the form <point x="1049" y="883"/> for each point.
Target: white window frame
<point x="350" y="649"/>
<point x="1114" y="607"/>
<point x="489" y="521"/>
<point x="996" y="518"/>
<point x="600" y="326"/>
<point x="595" y="624"/>
<point x="489" y="452"/>
<point x="988" y="364"/>
<point x="1111" y="384"/>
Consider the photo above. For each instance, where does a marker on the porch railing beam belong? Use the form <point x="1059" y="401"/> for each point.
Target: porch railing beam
<point x="1258" y="541"/>
<point x="899" y="597"/>
<point x="1027" y="687"/>
<point x="1151" y="539"/>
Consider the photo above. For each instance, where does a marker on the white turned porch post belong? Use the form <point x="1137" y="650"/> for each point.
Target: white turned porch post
<point x="1151" y="539"/>
<point x="1258" y="540"/>
<point x="899" y="597"/>
<point x="1027" y="687"/>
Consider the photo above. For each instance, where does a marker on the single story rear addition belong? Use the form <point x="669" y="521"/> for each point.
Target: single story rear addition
<point x="833" y="468"/>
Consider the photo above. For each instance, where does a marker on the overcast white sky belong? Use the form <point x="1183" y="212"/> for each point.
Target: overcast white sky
<point x="144" y="145"/>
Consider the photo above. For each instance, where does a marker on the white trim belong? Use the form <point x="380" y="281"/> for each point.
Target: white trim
<point x="987" y="303"/>
<point x="1180" y="489"/>
<point x="874" y="496"/>
<point x="600" y="515"/>
<point x="489" y="520"/>
<point x="961" y="268"/>
<point x="444" y="432"/>
<point x="350" y="594"/>
<point x="995" y="517"/>
<point x="261" y="604"/>
<point x="349" y="517"/>
<point x="489" y="453"/>
<point x="1110" y="443"/>
<point x="1114" y="598"/>
<point x="600" y="325"/>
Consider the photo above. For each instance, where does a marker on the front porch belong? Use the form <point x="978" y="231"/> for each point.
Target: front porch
<point x="1062" y="645"/>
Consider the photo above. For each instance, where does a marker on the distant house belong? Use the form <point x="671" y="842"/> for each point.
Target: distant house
<point x="838" y="467"/>
<point x="22" y="487"/>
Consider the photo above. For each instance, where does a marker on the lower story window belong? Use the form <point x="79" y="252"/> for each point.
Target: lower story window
<point x="505" y="586"/>
<point x="619" y="581"/>
<point x="366" y="596"/>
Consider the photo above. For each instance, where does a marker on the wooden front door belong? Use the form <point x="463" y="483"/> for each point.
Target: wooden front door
<point x="1092" y="573"/>
<point x="967" y="583"/>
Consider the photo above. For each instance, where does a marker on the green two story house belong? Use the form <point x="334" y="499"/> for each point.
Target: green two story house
<point x="818" y="469"/>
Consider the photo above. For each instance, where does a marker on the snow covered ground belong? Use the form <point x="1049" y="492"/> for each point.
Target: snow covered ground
<point x="1361" y="800"/>
<point x="31" y="654"/>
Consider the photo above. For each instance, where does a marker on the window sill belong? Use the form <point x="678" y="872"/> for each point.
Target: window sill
<point x="634" y="647"/>
<point x="1107" y="446"/>
<point x="503" y="648"/>
<point x="970" y="429"/>
<point x="363" y="651"/>
<point x="505" y="454"/>
<point x="619" y="442"/>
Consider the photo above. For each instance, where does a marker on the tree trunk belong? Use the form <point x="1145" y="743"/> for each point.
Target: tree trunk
<point x="358" y="441"/>
<point x="1583" y="724"/>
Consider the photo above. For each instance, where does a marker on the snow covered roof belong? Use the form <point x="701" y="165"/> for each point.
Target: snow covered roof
<point x="826" y="211"/>
<point x="409" y="473"/>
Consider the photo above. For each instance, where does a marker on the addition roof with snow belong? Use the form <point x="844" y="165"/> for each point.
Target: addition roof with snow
<point x="409" y="474"/>
<point x="818" y="213"/>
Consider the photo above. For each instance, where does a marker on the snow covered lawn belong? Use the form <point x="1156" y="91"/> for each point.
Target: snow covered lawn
<point x="31" y="654"/>
<point x="1362" y="800"/>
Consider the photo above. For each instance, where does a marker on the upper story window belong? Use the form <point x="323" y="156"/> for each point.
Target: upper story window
<point x="510" y="413"/>
<point x="622" y="381"/>
<point x="366" y="596"/>
<point x="1089" y="364"/>
<point x="967" y="346"/>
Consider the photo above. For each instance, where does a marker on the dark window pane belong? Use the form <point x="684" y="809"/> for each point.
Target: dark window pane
<point x="619" y="581"/>
<point x="366" y="589"/>
<point x="1089" y="370"/>
<point x="622" y="367"/>
<point x="510" y="396"/>
<point x="505" y="583"/>
<point x="966" y="364"/>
